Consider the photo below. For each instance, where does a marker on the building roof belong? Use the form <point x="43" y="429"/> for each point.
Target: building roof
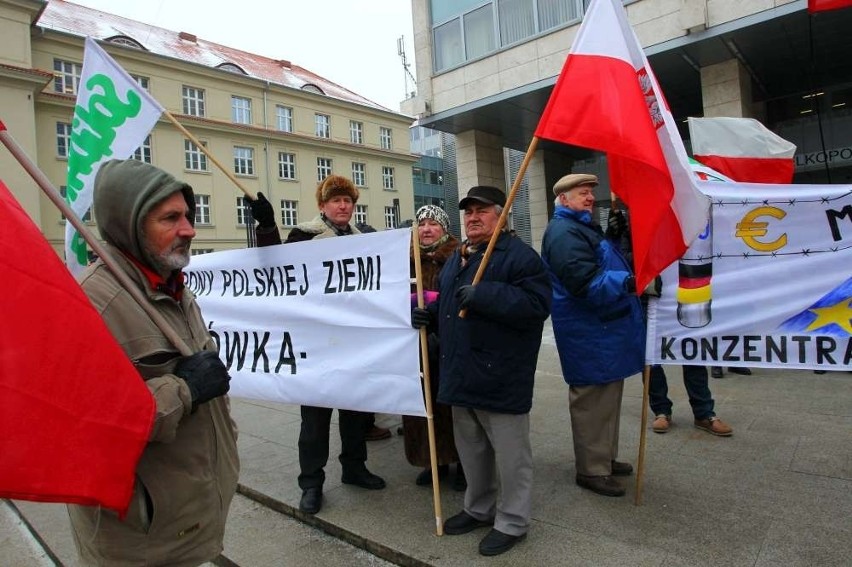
<point x="82" y="21"/>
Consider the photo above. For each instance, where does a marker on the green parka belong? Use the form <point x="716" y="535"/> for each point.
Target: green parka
<point x="187" y="475"/>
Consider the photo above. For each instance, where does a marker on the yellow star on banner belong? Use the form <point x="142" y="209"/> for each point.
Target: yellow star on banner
<point x="839" y="314"/>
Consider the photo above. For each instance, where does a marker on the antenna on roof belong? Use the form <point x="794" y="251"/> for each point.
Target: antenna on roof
<point x="400" y="50"/>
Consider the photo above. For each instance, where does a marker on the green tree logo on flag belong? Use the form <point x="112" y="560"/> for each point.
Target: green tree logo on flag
<point x="112" y="117"/>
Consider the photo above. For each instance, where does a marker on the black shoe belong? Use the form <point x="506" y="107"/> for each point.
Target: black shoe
<point x="621" y="469"/>
<point x="364" y="479"/>
<point x="496" y="542"/>
<point x="311" y="501"/>
<point x="425" y="476"/>
<point x="459" y="481"/>
<point x="462" y="523"/>
<point x="739" y="370"/>
<point x="604" y="485"/>
<point x="716" y="371"/>
<point x="819" y="371"/>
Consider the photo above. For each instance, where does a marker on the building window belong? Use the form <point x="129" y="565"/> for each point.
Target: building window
<point x="387" y="178"/>
<point x="390" y="217"/>
<point x="200" y="251"/>
<point x="143" y="152"/>
<point x="463" y="31"/>
<point x="359" y="174"/>
<point x="86" y="217"/>
<point x="193" y="101"/>
<point x="243" y="160"/>
<point x="323" y="125"/>
<point x="240" y="110"/>
<point x="202" y="209"/>
<point x="356" y="132"/>
<point x="286" y="165"/>
<point x="289" y="213"/>
<point x="360" y="214"/>
<point x="194" y="158"/>
<point x="243" y="211"/>
<point x="142" y="81"/>
<point x="66" y="76"/>
<point x="284" y="117"/>
<point x="63" y="139"/>
<point x="323" y="168"/>
<point x="385" y="138"/>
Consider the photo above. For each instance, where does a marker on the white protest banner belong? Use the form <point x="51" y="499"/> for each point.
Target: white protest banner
<point x="325" y="322"/>
<point x="112" y="117"/>
<point x="770" y="284"/>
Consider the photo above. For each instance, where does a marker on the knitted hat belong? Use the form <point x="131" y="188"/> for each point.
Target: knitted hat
<point x="574" y="180"/>
<point x="334" y="185"/>
<point x="435" y="213"/>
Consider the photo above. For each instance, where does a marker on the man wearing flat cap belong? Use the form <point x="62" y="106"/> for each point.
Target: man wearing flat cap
<point x="487" y="365"/>
<point x="598" y="325"/>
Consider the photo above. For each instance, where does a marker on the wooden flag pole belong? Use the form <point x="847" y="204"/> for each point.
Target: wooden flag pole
<point x="206" y="152"/>
<point x="427" y="385"/>
<point x="640" y="462"/>
<point x="501" y="222"/>
<point x="44" y="183"/>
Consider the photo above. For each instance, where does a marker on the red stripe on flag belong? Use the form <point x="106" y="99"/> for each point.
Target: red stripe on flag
<point x="825" y="5"/>
<point x="75" y="415"/>
<point x="598" y="103"/>
<point x="752" y="169"/>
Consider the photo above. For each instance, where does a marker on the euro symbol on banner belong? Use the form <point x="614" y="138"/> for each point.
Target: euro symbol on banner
<point x="749" y="229"/>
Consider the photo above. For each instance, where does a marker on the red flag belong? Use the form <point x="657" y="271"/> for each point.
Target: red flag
<point x="743" y="149"/>
<point x="608" y="99"/>
<point x="815" y="6"/>
<point x="74" y="413"/>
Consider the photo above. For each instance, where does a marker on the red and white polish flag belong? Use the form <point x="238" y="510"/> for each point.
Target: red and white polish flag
<point x="825" y="5"/>
<point x="743" y="149"/>
<point x="608" y="99"/>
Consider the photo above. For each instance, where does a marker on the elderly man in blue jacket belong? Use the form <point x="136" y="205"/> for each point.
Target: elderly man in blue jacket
<point x="598" y="325"/>
<point x="488" y="360"/>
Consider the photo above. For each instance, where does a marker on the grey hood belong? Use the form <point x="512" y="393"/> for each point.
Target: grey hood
<point x="125" y="191"/>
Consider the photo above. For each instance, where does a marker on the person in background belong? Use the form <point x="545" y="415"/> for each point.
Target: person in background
<point x="336" y="197"/>
<point x="598" y="324"/>
<point x="488" y="362"/>
<point x="436" y="247"/>
<point x="719" y="372"/>
<point x="700" y="400"/>
<point x="187" y="474"/>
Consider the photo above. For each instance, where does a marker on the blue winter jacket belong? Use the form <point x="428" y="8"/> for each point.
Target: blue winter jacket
<point x="488" y="359"/>
<point x="599" y="327"/>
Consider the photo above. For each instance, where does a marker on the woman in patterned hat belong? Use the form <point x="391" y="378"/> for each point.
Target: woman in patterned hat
<point x="436" y="246"/>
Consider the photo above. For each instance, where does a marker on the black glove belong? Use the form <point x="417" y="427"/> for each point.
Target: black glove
<point x="654" y="288"/>
<point x="630" y="284"/>
<point x="205" y="375"/>
<point x="262" y="211"/>
<point x="420" y="318"/>
<point x="465" y="295"/>
<point x="616" y="225"/>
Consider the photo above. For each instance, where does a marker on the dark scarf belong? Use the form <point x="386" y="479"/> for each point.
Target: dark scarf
<point x="337" y="230"/>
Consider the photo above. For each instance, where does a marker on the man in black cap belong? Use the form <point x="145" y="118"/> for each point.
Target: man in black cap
<point x="488" y="361"/>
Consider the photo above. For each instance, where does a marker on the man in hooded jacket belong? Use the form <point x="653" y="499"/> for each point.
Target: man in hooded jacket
<point x="187" y="474"/>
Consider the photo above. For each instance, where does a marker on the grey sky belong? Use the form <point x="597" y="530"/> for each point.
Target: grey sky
<point x="350" y="42"/>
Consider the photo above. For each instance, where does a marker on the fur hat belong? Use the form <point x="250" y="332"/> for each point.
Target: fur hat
<point x="574" y="180"/>
<point x="334" y="185"/>
<point x="435" y="213"/>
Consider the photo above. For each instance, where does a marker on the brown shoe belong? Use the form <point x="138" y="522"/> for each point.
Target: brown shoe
<point x="605" y="485"/>
<point x="377" y="433"/>
<point x="661" y="423"/>
<point x="715" y="426"/>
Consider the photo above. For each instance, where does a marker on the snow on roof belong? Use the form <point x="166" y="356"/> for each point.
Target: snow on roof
<point x="82" y="21"/>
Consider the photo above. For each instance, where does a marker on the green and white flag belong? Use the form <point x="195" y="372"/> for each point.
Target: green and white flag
<point x="112" y="118"/>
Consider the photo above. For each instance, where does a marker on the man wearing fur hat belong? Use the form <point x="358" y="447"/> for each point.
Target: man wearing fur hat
<point x="336" y="198"/>
<point x="187" y="474"/>
<point x="598" y="325"/>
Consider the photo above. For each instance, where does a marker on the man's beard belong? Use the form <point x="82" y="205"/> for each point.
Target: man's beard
<point x="175" y="257"/>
